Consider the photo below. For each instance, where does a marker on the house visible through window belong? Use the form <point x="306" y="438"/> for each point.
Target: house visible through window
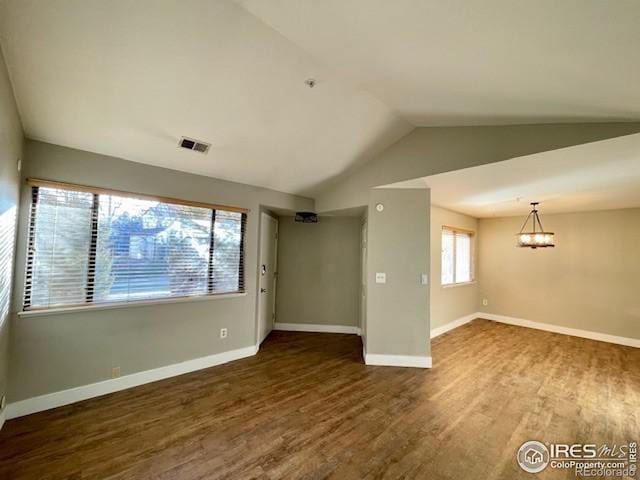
<point x="91" y="248"/>
<point x="457" y="258"/>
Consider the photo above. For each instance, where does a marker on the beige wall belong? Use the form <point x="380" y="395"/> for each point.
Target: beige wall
<point x="427" y="151"/>
<point x="451" y="302"/>
<point x="589" y="281"/>
<point x="319" y="271"/>
<point x="396" y="319"/>
<point x="11" y="141"/>
<point x="398" y="244"/>
<point x="56" y="352"/>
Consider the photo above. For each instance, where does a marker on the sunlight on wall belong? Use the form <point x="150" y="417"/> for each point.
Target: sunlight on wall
<point x="7" y="235"/>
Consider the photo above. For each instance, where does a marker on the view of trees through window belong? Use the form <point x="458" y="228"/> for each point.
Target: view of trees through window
<point x="456" y="258"/>
<point x="99" y="248"/>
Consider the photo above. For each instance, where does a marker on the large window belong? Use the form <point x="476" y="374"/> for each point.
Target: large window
<point x="92" y="247"/>
<point x="457" y="256"/>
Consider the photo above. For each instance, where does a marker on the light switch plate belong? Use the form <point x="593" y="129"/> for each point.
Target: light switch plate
<point x="381" y="277"/>
<point x="424" y="279"/>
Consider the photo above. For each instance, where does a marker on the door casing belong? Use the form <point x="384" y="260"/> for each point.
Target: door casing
<point x="268" y="254"/>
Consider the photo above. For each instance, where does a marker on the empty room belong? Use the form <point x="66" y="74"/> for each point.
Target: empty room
<point x="346" y="239"/>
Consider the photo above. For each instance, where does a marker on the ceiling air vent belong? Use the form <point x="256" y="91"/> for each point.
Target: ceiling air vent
<point x="195" y="145"/>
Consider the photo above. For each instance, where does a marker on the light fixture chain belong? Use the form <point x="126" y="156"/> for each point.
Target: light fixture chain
<point x="539" y="223"/>
<point x="525" y="222"/>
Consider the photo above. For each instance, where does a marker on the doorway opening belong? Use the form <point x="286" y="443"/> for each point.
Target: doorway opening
<point x="311" y="276"/>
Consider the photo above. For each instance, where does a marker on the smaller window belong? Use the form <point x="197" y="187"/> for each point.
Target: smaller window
<point x="457" y="256"/>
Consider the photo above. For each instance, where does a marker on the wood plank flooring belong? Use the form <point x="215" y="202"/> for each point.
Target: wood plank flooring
<point x="307" y="407"/>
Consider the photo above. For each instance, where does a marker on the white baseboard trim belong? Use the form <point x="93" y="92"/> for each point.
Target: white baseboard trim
<point x="397" y="360"/>
<point x="574" y="332"/>
<point x="317" y="328"/>
<point x="453" y="324"/>
<point x="84" y="392"/>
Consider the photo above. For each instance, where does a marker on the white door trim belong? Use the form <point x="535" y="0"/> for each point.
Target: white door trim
<point x="265" y="217"/>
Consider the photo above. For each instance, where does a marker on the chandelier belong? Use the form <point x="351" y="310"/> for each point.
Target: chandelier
<point x="536" y="238"/>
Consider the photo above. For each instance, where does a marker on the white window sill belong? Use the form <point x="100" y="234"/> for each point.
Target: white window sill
<point x="140" y="303"/>
<point x="462" y="284"/>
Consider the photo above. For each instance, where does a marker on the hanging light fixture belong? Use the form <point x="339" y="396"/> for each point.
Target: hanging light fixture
<point x="536" y="238"/>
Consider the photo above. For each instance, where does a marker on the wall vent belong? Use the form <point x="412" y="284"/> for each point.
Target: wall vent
<point x="195" y="145"/>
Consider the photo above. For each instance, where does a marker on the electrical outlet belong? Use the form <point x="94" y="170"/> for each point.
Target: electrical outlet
<point x="485" y="302"/>
<point x="115" y="372"/>
<point x="223" y="333"/>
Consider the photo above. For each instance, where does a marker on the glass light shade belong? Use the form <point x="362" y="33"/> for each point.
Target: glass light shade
<point x="535" y="239"/>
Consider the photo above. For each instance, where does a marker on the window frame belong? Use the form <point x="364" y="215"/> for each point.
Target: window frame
<point x="472" y="274"/>
<point x="90" y="304"/>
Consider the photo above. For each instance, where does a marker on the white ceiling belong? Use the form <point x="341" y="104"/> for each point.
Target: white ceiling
<point x="128" y="78"/>
<point x="596" y="176"/>
<point x="463" y="62"/>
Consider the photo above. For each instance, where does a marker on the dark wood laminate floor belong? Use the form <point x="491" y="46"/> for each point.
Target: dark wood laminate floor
<point x="307" y="407"/>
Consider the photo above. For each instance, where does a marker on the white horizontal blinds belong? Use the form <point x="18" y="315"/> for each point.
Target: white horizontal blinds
<point x="7" y="235"/>
<point x="148" y="249"/>
<point x="463" y="257"/>
<point x="456" y="256"/>
<point x="227" y="273"/>
<point x="101" y="247"/>
<point x="448" y="258"/>
<point x="58" y="250"/>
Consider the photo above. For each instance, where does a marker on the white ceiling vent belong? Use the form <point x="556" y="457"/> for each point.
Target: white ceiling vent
<point x="195" y="145"/>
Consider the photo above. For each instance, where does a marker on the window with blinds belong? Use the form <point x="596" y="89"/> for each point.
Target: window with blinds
<point x="457" y="259"/>
<point x="95" y="247"/>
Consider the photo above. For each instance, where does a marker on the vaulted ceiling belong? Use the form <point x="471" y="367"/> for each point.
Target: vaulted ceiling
<point x="129" y="78"/>
<point x="466" y="62"/>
